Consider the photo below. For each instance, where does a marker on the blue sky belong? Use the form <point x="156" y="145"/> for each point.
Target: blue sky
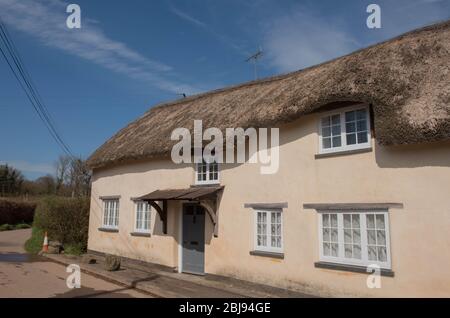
<point x="131" y="55"/>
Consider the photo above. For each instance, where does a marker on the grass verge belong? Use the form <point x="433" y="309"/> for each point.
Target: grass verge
<point x="34" y="243"/>
<point x="9" y="227"/>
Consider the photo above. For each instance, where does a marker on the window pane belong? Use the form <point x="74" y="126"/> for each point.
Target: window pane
<point x="337" y="141"/>
<point x="350" y="116"/>
<point x="370" y="221"/>
<point x="348" y="250"/>
<point x="326" y="235"/>
<point x="326" y="121"/>
<point x="333" y="218"/>
<point x="355" y="220"/>
<point x="334" y="235"/>
<point x="326" y="249"/>
<point x="362" y="137"/>
<point x="348" y="236"/>
<point x="326" y="131"/>
<point x="361" y="125"/>
<point x="351" y="139"/>
<point x="336" y="119"/>
<point x="357" y="251"/>
<point x="382" y="254"/>
<point x="372" y="253"/>
<point x="347" y="221"/>
<point x="380" y="221"/>
<point x="361" y="114"/>
<point x="356" y="236"/>
<point x="325" y="220"/>
<point x="336" y="130"/>
<point x="334" y="250"/>
<point x="371" y="239"/>
<point x="381" y="237"/>
<point x="326" y="143"/>
<point x="350" y="127"/>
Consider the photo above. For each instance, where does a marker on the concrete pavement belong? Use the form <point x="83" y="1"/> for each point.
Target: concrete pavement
<point x="22" y="275"/>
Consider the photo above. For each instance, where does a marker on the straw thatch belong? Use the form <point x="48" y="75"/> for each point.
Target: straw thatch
<point x="406" y="80"/>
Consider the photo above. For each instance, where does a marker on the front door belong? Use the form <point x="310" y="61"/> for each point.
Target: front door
<point x="193" y="239"/>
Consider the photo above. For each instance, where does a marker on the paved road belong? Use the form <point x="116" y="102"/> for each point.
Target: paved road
<point x="22" y="275"/>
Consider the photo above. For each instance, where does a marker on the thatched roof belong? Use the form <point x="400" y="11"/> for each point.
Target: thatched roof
<point x="406" y="79"/>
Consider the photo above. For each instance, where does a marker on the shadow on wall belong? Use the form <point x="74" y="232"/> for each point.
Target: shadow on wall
<point x="136" y="167"/>
<point x="436" y="154"/>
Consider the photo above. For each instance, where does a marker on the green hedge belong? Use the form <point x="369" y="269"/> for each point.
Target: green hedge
<point x="65" y="220"/>
<point x="15" y="212"/>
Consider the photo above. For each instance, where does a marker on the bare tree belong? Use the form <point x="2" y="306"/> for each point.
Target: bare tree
<point x="62" y="172"/>
<point x="80" y="177"/>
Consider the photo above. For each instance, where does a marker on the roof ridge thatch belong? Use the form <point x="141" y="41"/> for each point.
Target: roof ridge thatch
<point x="405" y="78"/>
<point x="277" y="77"/>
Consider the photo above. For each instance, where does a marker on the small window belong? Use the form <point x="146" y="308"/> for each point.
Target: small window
<point x="111" y="213"/>
<point x="345" y="130"/>
<point x="142" y="223"/>
<point x="355" y="238"/>
<point x="269" y="231"/>
<point x="207" y="173"/>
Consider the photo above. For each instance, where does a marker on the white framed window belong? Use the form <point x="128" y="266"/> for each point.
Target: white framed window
<point x="111" y="213"/>
<point x="206" y="173"/>
<point x="269" y="230"/>
<point x="355" y="238"/>
<point x="142" y="217"/>
<point x="345" y="129"/>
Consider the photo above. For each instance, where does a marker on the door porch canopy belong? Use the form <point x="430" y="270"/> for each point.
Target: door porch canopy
<point x="206" y="196"/>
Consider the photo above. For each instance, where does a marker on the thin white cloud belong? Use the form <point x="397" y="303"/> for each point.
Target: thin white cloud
<point x="187" y="17"/>
<point x="31" y="167"/>
<point x="46" y="21"/>
<point x="300" y="39"/>
<point x="198" y="23"/>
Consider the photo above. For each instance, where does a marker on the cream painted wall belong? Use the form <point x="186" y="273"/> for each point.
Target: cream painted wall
<point x="417" y="176"/>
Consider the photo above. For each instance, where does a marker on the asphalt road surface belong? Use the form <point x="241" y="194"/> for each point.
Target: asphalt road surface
<point x="24" y="275"/>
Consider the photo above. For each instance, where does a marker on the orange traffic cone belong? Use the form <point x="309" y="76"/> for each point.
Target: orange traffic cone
<point x="45" y="245"/>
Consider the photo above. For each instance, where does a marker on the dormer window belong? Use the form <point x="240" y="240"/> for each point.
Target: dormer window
<point x="343" y="130"/>
<point x="207" y="173"/>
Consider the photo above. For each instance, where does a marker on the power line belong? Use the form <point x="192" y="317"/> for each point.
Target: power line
<point x="27" y="85"/>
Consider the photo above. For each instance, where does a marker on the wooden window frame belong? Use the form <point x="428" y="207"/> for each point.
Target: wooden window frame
<point x="363" y="234"/>
<point x="344" y="147"/>
<point x="136" y="207"/>
<point x="107" y="214"/>
<point x="208" y="180"/>
<point x="267" y="248"/>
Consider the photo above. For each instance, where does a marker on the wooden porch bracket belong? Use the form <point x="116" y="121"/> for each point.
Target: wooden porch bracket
<point x="211" y="207"/>
<point x="162" y="211"/>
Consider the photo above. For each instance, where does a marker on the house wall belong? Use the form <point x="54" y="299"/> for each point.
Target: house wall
<point x="417" y="176"/>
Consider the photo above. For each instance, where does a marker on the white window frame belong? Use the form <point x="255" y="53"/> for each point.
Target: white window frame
<point x="136" y="229"/>
<point x="364" y="254"/>
<point x="267" y="248"/>
<point x="208" y="180"/>
<point x="344" y="147"/>
<point x="108" y="225"/>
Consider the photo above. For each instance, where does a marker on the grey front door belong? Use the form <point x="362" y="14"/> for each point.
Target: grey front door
<point x="193" y="239"/>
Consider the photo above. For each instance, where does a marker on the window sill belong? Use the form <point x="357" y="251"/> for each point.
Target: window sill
<point x="141" y="234"/>
<point x="352" y="268"/>
<point x="342" y="153"/>
<point x="206" y="184"/>
<point x="267" y="254"/>
<point x="106" y="229"/>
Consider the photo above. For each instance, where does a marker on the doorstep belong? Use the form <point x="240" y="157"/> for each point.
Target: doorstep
<point x="158" y="281"/>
